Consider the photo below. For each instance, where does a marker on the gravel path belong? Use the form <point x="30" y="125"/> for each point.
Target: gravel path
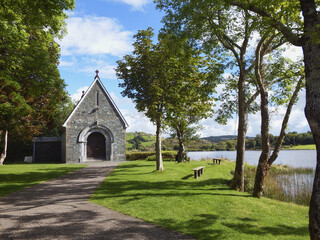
<point x="58" y="209"/>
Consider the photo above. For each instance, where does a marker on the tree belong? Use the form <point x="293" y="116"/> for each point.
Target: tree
<point x="265" y="74"/>
<point x="31" y="86"/>
<point x="192" y="80"/>
<point x="232" y="28"/>
<point x="144" y="75"/>
<point x="225" y="31"/>
<point x="299" y="23"/>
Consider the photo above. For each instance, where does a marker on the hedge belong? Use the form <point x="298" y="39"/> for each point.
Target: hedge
<point x="132" y="156"/>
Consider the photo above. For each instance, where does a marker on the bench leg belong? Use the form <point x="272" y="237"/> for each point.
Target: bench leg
<point x="195" y="174"/>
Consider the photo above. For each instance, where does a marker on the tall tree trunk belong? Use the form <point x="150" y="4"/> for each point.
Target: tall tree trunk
<point x="265" y="161"/>
<point x="158" y="147"/>
<point x="5" y="145"/>
<point x="238" y="178"/>
<point x="311" y="51"/>
<point x="181" y="150"/>
<point x="263" y="168"/>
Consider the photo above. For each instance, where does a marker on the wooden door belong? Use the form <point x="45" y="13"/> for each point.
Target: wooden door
<point x="96" y="146"/>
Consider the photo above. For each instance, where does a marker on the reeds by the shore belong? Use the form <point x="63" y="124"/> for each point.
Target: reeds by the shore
<point x="284" y="183"/>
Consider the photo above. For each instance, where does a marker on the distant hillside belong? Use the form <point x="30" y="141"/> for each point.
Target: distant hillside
<point x="217" y="139"/>
<point x="140" y="141"/>
<point x="170" y="144"/>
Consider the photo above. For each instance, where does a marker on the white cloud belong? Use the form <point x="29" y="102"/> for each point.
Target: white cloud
<point x="297" y="121"/>
<point x="135" y="4"/>
<point x="122" y="102"/>
<point x="95" y="35"/>
<point x="77" y="95"/>
<point x="137" y="121"/>
<point x="212" y="128"/>
<point x="66" y="63"/>
<point x="106" y="71"/>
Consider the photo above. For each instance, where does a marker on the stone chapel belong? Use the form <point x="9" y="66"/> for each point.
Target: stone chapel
<point x="95" y="130"/>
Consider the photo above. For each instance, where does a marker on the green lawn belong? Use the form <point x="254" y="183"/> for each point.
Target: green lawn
<point x="205" y="208"/>
<point x="14" y="177"/>
<point x="303" y="147"/>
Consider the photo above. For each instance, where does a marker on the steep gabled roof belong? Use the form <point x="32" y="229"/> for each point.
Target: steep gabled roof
<point x="97" y="80"/>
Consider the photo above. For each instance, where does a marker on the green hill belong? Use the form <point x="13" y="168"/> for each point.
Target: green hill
<point x="216" y="139"/>
<point x="140" y="141"/>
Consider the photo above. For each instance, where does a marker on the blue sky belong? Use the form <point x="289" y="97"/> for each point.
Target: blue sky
<point x="100" y="32"/>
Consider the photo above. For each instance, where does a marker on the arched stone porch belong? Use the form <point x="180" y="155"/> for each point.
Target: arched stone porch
<point x="83" y="141"/>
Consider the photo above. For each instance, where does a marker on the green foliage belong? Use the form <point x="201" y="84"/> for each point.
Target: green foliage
<point x="205" y="208"/>
<point x="14" y="177"/>
<point x="192" y="79"/>
<point x="143" y="76"/>
<point x="31" y="87"/>
<point x="291" y="139"/>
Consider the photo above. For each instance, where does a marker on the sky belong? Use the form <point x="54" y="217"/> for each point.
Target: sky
<point x="100" y="32"/>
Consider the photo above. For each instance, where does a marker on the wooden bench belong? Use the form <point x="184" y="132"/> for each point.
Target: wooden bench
<point x="216" y="160"/>
<point x="198" y="171"/>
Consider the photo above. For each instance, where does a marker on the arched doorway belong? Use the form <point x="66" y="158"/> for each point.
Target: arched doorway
<point x="96" y="146"/>
<point x="89" y="137"/>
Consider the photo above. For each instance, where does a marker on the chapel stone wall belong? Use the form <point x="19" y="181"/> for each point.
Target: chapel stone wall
<point x="95" y="110"/>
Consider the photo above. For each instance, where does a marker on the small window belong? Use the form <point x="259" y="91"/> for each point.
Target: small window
<point x="97" y="98"/>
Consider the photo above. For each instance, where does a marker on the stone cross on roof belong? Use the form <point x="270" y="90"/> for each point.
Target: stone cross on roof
<point x="97" y="74"/>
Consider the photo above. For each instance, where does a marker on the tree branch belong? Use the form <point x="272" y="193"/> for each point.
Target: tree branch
<point x="286" y="31"/>
<point x="280" y="139"/>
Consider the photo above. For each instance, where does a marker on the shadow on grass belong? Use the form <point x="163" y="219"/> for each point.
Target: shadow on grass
<point x="11" y="182"/>
<point x="200" y="226"/>
<point x="197" y="227"/>
<point x="130" y="191"/>
<point x="280" y="230"/>
<point x="187" y="177"/>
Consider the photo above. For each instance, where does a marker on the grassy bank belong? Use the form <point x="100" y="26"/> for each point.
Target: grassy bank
<point x="205" y="208"/>
<point x="301" y="147"/>
<point x="14" y="177"/>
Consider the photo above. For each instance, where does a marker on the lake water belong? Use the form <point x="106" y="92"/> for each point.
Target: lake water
<point x="293" y="158"/>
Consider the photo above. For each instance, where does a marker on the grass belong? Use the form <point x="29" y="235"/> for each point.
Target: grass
<point x="14" y="177"/>
<point x="205" y="208"/>
<point x="301" y="147"/>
